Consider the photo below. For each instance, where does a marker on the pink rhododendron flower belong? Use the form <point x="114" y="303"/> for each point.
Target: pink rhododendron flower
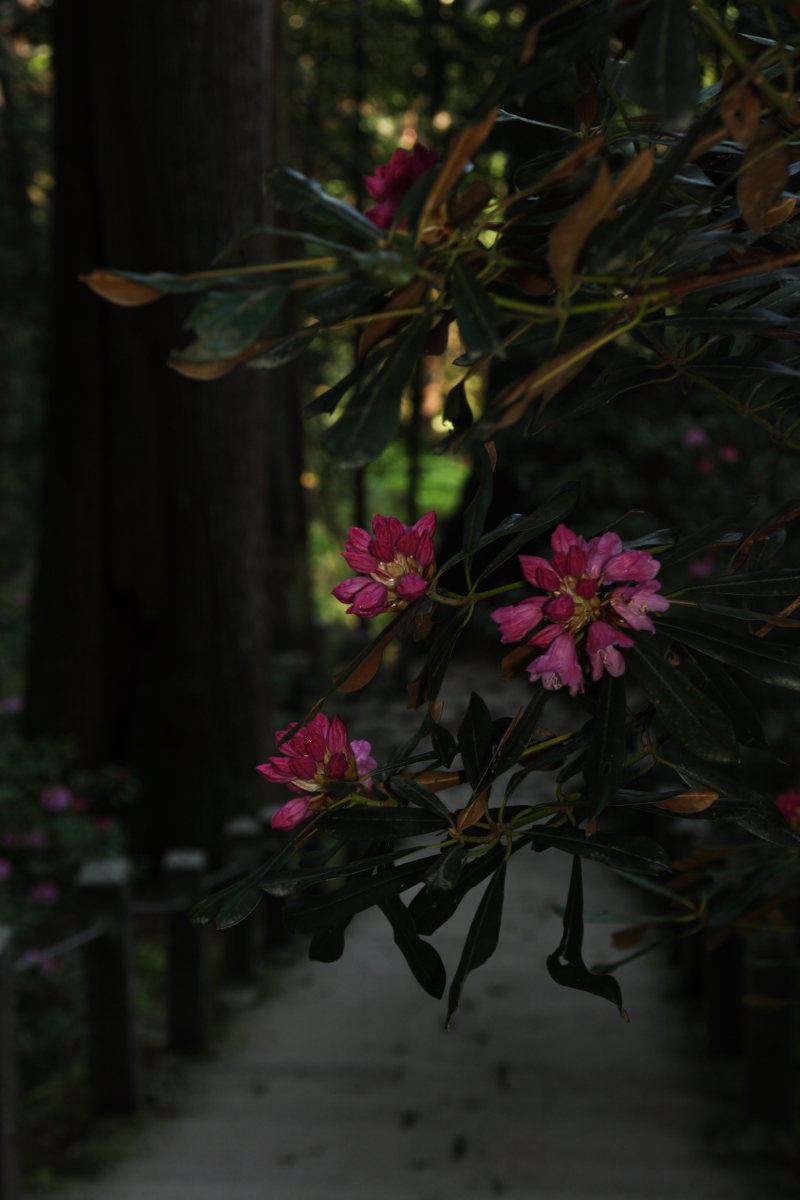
<point x="396" y="564"/>
<point x="581" y="597"/>
<point x="56" y="799"/>
<point x="695" y="436"/>
<point x="315" y="756"/>
<point x="729" y="453"/>
<point x="391" y="182"/>
<point x="789" y="804"/>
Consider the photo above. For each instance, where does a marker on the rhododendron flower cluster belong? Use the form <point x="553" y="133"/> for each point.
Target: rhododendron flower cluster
<point x="581" y="597"/>
<point x="390" y="183"/>
<point x="317" y="755"/>
<point x="396" y="564"/>
<point x="789" y="804"/>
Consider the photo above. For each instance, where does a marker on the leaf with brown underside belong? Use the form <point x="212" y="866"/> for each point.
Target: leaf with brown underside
<point x="547" y="380"/>
<point x="599" y="204"/>
<point x="366" y="671"/>
<point x="440" y="781"/>
<point x="408" y="297"/>
<point x="688" y="802"/>
<point x="475" y="811"/>
<point x="740" y="109"/>
<point x="780" y="213"/>
<point x="464" y="209"/>
<point x="707" y="143"/>
<point x="118" y="290"/>
<point x="515" y="661"/>
<point x="574" y="160"/>
<point x="763" y="175"/>
<point x="218" y="367"/>
<point x="462" y="148"/>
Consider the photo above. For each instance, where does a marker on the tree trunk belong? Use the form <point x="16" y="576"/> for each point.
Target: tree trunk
<point x="150" y="642"/>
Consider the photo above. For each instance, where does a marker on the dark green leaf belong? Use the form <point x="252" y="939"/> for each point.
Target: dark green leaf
<point x="328" y="401"/>
<point x="327" y="945"/>
<point x="545" y="517"/>
<point x="639" y="855"/>
<point x="475" y="741"/>
<point x="444" y="643"/>
<point x="696" y="543"/>
<point x="368" y="423"/>
<point x="425" y="964"/>
<point x="443" y="743"/>
<point x="457" y="411"/>
<point x="446" y="874"/>
<point x="720" y="320"/>
<point x="757" y="656"/>
<point x="605" y="759"/>
<point x="284" y="352"/>
<point x="697" y="723"/>
<point x="475" y="313"/>
<point x="478" y="507"/>
<point x="289" y="882"/>
<point x="228" y="322"/>
<point x="482" y="937"/>
<point x="734" y="613"/>
<point x="340" y="301"/>
<point x="776" y="581"/>
<point x="320" y="912"/>
<point x="566" y="965"/>
<point x="430" y="909"/>
<point x="296" y="193"/>
<point x="732" y="700"/>
<point x="349" y="823"/>
<point x="664" y="76"/>
<point x="520" y="732"/>
<point x="758" y="814"/>
<point x="414" y="793"/>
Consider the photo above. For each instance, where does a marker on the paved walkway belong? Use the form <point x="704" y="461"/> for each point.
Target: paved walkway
<point x="344" y="1085"/>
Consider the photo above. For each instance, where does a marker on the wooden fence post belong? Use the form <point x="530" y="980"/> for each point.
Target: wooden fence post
<point x="188" y="985"/>
<point x="240" y="942"/>
<point x="104" y="886"/>
<point x="8" y="1071"/>
<point x="769" y="1028"/>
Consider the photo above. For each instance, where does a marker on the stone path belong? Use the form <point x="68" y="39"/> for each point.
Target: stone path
<point x="343" y="1084"/>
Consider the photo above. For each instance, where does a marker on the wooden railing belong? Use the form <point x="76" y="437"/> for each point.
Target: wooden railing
<point x="107" y="912"/>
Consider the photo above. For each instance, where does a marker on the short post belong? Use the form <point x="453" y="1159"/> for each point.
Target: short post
<point x="769" y="1028"/>
<point x="274" y="924"/>
<point x="8" y="1071"/>
<point x="104" y="886"/>
<point x="240" y="942"/>
<point x="188" y="988"/>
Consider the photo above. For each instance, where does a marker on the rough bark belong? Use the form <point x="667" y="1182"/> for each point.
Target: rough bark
<point x="150" y="637"/>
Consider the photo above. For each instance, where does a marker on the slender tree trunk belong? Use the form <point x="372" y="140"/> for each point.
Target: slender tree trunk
<point x="150" y="640"/>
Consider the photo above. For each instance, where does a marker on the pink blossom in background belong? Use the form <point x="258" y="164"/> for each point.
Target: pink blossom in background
<point x="396" y="563"/>
<point x="581" y="598"/>
<point x="5" y="868"/>
<point x="391" y="183"/>
<point x="730" y="454"/>
<point x="315" y="756"/>
<point x="44" y="893"/>
<point x="11" y="705"/>
<point x="696" y="436"/>
<point x="789" y="804"/>
<point x="56" y="799"/>
<point x="702" y="568"/>
<point x="705" y="466"/>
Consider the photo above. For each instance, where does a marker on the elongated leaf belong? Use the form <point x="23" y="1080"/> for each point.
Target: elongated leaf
<point x="446" y="874"/>
<point x="296" y="193"/>
<point x="428" y="683"/>
<point x="327" y="945"/>
<point x="341" y="300"/>
<point x="226" y="323"/>
<point x="412" y="792"/>
<point x="520" y="732"/>
<point x="425" y="964"/>
<point x="461" y="149"/>
<point x="475" y="740"/>
<point x="757" y="813"/>
<point x="475" y="513"/>
<point x="482" y="938"/>
<point x="549" y="514"/>
<point x="457" y="412"/>
<point x="351" y="823"/>
<point x="431" y="908"/>
<point x="696" y="543"/>
<point x="282" y="352"/>
<point x="751" y="615"/>
<point x="368" y="423"/>
<point x="664" y="77"/>
<point x="443" y="743"/>
<point x="757" y="656"/>
<point x="732" y="700"/>
<point x="475" y="312"/>
<point x="320" y="912"/>
<point x="639" y="855"/>
<point x="566" y="965"/>
<point x="604" y="763"/>
<point x="328" y="401"/>
<point x="291" y="881"/>
<point x="775" y="581"/>
<point x="697" y="723"/>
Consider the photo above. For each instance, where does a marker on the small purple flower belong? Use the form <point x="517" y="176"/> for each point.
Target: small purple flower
<point x="45" y="893"/>
<point x="5" y="868"/>
<point x="695" y="436"/>
<point x="11" y="704"/>
<point x="56" y="799"/>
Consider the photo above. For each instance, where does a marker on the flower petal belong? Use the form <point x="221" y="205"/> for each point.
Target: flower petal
<point x="518" y="620"/>
<point x="292" y="813"/>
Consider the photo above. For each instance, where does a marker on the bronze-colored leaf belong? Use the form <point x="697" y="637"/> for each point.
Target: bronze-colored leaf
<point x="119" y="290"/>
<point x="219" y="366"/>
<point x="461" y="150"/>
<point x="366" y="671"/>
<point x="464" y="209"/>
<point x="740" y="109"/>
<point x="475" y="811"/>
<point x="781" y="212"/>
<point x="688" y="802"/>
<point x="763" y="176"/>
<point x="515" y="661"/>
<point x="408" y="297"/>
<point x="707" y="143"/>
<point x="572" y="163"/>
<point x="439" y="781"/>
